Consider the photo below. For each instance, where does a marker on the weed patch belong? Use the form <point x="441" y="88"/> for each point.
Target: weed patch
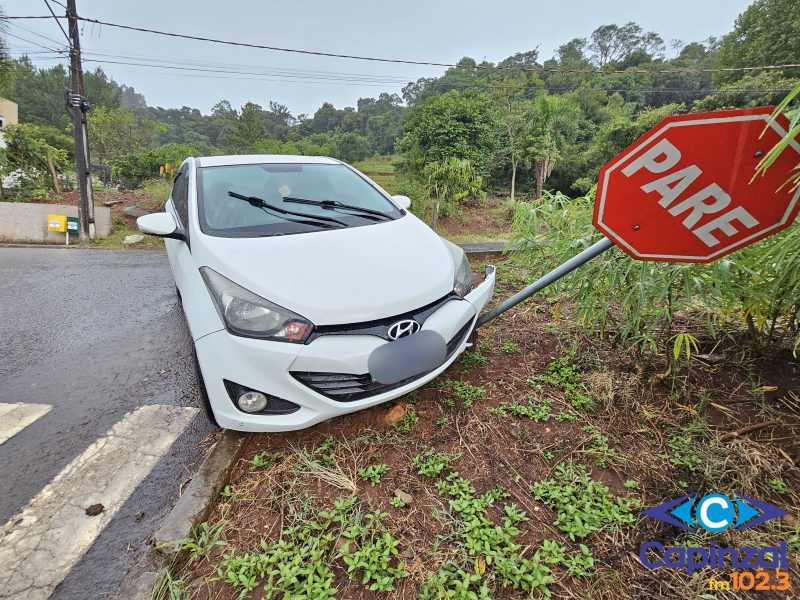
<point x="487" y="544"/>
<point x="373" y="473"/>
<point x="582" y="505"/>
<point x="465" y="393"/>
<point x="535" y="412"/>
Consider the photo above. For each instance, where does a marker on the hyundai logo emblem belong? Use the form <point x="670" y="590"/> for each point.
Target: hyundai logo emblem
<point x="403" y="328"/>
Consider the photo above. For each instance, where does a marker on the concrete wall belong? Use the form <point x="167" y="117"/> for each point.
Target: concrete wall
<point x="27" y="222"/>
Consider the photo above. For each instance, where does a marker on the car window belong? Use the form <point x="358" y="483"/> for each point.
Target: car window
<point x="180" y="196"/>
<point x="277" y="184"/>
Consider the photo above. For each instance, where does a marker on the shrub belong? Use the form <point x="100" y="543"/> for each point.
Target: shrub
<point x="638" y="301"/>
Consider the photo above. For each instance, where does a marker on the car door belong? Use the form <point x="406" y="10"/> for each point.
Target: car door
<point x="178" y="206"/>
<point x="200" y="313"/>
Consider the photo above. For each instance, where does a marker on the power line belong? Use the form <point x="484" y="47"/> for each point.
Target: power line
<point x="592" y="71"/>
<point x="261" y="69"/>
<point x="36" y="33"/>
<point x="50" y="8"/>
<point x="317" y="78"/>
<point x="31" y="42"/>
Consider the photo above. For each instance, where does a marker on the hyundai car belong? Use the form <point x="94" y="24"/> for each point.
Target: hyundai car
<point x="309" y="291"/>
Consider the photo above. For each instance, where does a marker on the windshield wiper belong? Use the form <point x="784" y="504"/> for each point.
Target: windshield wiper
<point x="261" y="203"/>
<point x="336" y="204"/>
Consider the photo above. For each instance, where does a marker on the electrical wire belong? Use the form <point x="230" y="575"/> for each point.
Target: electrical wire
<point x="30" y="42"/>
<point x="538" y="69"/>
<point x="50" y="8"/>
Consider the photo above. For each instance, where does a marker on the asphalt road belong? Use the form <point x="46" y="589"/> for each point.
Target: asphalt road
<point x="95" y="335"/>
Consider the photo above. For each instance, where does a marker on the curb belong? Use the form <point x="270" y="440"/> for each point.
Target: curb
<point x="193" y="507"/>
<point x="197" y="499"/>
<point x="487" y="247"/>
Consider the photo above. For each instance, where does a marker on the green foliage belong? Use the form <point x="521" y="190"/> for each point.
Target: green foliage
<point x="27" y="150"/>
<point x="466" y="393"/>
<point x="373" y="551"/>
<point x="582" y="505"/>
<point x="563" y="374"/>
<point x="600" y="448"/>
<point x="577" y="564"/>
<point x="451" y="125"/>
<point x="405" y="424"/>
<point x="509" y="347"/>
<point x="488" y="545"/>
<point x="473" y="358"/>
<point x="535" y="412"/>
<point x="373" y="473"/>
<point x="397" y="502"/>
<point x="764" y="34"/>
<point x="450" y="181"/>
<point x="263" y="459"/>
<point x="683" y="446"/>
<point x="298" y="563"/>
<point x="430" y="463"/>
<point x="202" y="541"/>
<point x="113" y="132"/>
<point x="143" y="164"/>
<point x="637" y="301"/>
<point x="777" y="485"/>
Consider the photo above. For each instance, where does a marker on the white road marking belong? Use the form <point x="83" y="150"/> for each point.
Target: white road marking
<point x="17" y="416"/>
<point x="40" y="545"/>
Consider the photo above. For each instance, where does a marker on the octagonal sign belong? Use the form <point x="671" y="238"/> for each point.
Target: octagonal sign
<point x="683" y="191"/>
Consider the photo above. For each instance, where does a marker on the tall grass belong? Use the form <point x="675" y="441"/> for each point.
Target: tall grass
<point x="644" y="304"/>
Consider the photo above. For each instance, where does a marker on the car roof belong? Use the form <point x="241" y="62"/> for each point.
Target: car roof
<point x="250" y="159"/>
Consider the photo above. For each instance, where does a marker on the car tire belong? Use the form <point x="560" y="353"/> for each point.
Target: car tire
<point x="201" y="389"/>
<point x="178" y="294"/>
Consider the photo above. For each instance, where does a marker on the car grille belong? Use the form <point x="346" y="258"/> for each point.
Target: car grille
<point x="348" y="387"/>
<point x="380" y="327"/>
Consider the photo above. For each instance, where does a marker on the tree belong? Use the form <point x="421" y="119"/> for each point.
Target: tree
<point x="352" y="147"/>
<point x="458" y="125"/>
<point x="114" y="132"/>
<point x="39" y="163"/>
<point x="766" y="33"/>
<point x="40" y="94"/>
<point x="553" y="120"/>
<point x="249" y="131"/>
<point x="100" y="90"/>
<point x="449" y="181"/>
<point x="615" y="44"/>
<point x="7" y="66"/>
<point x="511" y="115"/>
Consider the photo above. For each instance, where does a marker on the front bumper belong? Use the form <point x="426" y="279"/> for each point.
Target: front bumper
<point x="276" y="368"/>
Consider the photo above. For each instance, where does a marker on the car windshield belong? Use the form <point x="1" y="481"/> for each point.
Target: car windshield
<point x="282" y="185"/>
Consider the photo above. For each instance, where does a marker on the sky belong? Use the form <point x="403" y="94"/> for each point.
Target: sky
<point x="412" y="30"/>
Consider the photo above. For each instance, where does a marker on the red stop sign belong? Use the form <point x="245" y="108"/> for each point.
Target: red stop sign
<point x="683" y="191"/>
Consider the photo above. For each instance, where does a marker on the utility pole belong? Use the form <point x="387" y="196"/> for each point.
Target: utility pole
<point x="79" y="106"/>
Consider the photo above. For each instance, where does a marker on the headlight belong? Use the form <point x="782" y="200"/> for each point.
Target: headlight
<point x="462" y="283"/>
<point x="246" y="314"/>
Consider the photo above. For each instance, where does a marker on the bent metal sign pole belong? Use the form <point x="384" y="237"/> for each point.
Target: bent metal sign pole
<point x="685" y="192"/>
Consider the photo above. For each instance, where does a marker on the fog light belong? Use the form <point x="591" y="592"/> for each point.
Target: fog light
<point x="252" y="402"/>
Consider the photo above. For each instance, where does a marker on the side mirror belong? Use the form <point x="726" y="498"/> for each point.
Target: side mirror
<point x="403" y="202"/>
<point x="160" y="224"/>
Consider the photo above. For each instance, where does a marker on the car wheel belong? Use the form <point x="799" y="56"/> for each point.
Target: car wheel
<point x="201" y="388"/>
<point x="178" y="294"/>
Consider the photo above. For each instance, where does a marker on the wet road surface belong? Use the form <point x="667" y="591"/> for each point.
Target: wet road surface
<point x="88" y="337"/>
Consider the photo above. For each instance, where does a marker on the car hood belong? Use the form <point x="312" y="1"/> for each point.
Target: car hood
<point x="339" y="276"/>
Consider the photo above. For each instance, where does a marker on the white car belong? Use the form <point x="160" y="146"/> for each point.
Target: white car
<point x="309" y="291"/>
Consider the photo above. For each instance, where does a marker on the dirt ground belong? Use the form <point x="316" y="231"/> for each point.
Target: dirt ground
<point x="478" y="221"/>
<point x="574" y="434"/>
